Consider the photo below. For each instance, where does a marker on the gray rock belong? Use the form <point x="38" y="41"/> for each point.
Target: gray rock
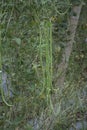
<point x="6" y="85"/>
<point x="80" y="125"/>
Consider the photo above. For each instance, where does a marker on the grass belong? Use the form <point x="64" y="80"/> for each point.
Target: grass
<point x="31" y="51"/>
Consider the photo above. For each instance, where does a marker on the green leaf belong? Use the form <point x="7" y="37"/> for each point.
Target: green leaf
<point x="17" y="40"/>
<point x="28" y="127"/>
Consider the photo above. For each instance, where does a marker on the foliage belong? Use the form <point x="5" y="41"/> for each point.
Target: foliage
<point x="33" y="37"/>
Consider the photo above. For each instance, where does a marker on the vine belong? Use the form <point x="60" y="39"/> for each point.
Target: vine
<point x="46" y="65"/>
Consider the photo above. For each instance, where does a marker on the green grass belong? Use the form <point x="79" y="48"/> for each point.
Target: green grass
<point x="33" y="40"/>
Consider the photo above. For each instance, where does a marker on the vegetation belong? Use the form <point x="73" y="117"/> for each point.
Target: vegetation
<point x="33" y="39"/>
